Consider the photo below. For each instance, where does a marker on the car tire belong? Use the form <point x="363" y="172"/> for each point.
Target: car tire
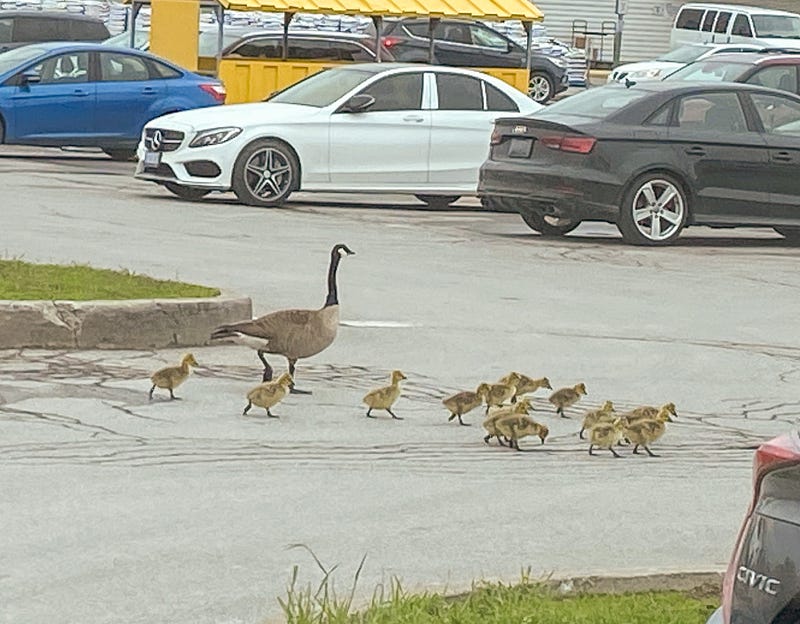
<point x="791" y="234"/>
<point x="2" y="131"/>
<point x="492" y="204"/>
<point x="250" y="182"/>
<point x="121" y="155"/>
<point x="190" y="193"/>
<point x="438" y="202"/>
<point x="541" y="87"/>
<point x="643" y="220"/>
<point x="551" y="227"/>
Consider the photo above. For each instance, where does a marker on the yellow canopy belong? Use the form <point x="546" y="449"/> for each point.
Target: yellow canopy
<point x="474" y="9"/>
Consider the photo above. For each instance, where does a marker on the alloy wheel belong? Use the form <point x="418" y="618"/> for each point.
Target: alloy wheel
<point x="540" y="88"/>
<point x="659" y="210"/>
<point x="268" y="173"/>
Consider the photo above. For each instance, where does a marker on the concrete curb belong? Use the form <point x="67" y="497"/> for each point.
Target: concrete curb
<point x="132" y="324"/>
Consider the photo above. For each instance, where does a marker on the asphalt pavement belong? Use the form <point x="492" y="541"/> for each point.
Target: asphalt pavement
<point x="115" y="509"/>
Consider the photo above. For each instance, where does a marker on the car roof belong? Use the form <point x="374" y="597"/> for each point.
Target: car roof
<point x="754" y="58"/>
<point x="730" y="7"/>
<point x="678" y="87"/>
<point x="50" y="46"/>
<point x="50" y="15"/>
<point x="314" y="34"/>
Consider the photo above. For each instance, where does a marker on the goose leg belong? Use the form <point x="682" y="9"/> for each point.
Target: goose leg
<point x="151" y="391"/>
<point x="487" y="438"/>
<point x="591" y="446"/>
<point x="393" y="414"/>
<point x="369" y="413"/>
<point x="294" y="390"/>
<point x="452" y="417"/>
<point x="649" y="452"/>
<point x="611" y="448"/>
<point x="580" y="433"/>
<point x="461" y="422"/>
<point x="267" y="376"/>
<point x="636" y="450"/>
<point x="247" y="408"/>
<point x="271" y="415"/>
<point x="561" y="411"/>
<point x="172" y="396"/>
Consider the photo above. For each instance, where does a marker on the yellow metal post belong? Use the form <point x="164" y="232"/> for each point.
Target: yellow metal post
<point x="174" y="28"/>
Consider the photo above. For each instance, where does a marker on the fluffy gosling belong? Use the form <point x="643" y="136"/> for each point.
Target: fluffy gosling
<point x="591" y="418"/>
<point x="499" y="393"/>
<point x="384" y="398"/>
<point x="529" y="385"/>
<point x="516" y="427"/>
<point x="520" y="408"/>
<point x="464" y="402"/>
<point x="269" y="394"/>
<point x="170" y="377"/>
<point x="606" y="435"/>
<point x="644" y="432"/>
<point x="566" y="397"/>
<point x="648" y="412"/>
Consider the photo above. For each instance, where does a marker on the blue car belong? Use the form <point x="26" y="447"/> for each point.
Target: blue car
<point x="76" y="94"/>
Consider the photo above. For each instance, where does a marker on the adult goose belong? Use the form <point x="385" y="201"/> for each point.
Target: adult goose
<point x="294" y="334"/>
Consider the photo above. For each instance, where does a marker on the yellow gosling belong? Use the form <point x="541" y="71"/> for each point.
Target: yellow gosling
<point x="171" y="377"/>
<point x="384" y="398"/>
<point x="269" y="394"/>
<point x="521" y="407"/>
<point x="606" y="435"/>
<point x="464" y="402"/>
<point x="592" y="417"/>
<point x="644" y="432"/>
<point x="516" y="427"/>
<point x="566" y="397"/>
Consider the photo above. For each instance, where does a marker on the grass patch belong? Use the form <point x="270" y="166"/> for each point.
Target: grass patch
<point x="22" y="280"/>
<point x="528" y="602"/>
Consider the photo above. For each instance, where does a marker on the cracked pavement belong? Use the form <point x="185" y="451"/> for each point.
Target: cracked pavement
<point x="116" y="509"/>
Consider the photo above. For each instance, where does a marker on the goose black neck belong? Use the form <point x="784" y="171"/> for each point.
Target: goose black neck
<point x="333" y="293"/>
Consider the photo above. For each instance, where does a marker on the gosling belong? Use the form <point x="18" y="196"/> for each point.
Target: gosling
<point x="644" y="432"/>
<point x="591" y="418"/>
<point x="606" y="435"/>
<point x="566" y="397"/>
<point x="269" y="394"/>
<point x="516" y="427"/>
<point x="525" y="385"/>
<point x="648" y="412"/>
<point x="464" y="402"/>
<point x="384" y="398"/>
<point x="171" y="377"/>
<point x="499" y="393"/>
<point x="520" y="408"/>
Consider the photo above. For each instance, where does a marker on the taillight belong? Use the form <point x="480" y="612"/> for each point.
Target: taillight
<point x="576" y="144"/>
<point x="388" y="42"/>
<point x="497" y="136"/>
<point x="215" y="90"/>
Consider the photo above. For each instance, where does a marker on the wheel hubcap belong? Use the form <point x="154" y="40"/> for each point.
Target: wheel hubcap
<point x="658" y="210"/>
<point x="268" y="173"/>
<point x="540" y="88"/>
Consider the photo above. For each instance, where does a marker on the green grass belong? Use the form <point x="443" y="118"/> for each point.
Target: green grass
<point x="489" y="603"/>
<point x="22" y="280"/>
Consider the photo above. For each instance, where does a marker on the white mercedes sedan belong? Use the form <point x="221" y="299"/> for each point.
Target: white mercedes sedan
<point x="384" y="127"/>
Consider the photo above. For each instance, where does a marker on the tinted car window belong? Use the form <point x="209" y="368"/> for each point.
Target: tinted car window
<point x="81" y="30"/>
<point x="35" y="29"/>
<point x="400" y="92"/>
<point x="459" y="92"/>
<point x="597" y="103"/>
<point x="487" y="38"/>
<point x="710" y="71"/>
<point x="159" y="70"/>
<point x="418" y="29"/>
<point x="350" y="51"/>
<point x="715" y="112"/>
<point x="708" y="21"/>
<point x="741" y="26"/>
<point x="259" y="48"/>
<point x="310" y="49"/>
<point x="777" y="26"/>
<point x="66" y="68"/>
<point x="778" y="115"/>
<point x="5" y="31"/>
<point x="322" y="88"/>
<point x="496" y="100"/>
<point x="453" y="32"/>
<point x="722" y="22"/>
<point x="781" y="77"/>
<point x="689" y="19"/>
<point x="115" y="67"/>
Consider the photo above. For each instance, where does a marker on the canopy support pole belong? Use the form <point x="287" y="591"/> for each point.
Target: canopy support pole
<point x="220" y="12"/>
<point x="528" y="45"/>
<point x="432" y="23"/>
<point x="135" y="7"/>
<point x="377" y="20"/>
<point x="287" y="18"/>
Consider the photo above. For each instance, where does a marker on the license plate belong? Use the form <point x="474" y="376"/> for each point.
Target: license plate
<point x="520" y="148"/>
<point x="152" y="160"/>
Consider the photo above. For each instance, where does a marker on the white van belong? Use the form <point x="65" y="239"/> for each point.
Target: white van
<point x="730" y="23"/>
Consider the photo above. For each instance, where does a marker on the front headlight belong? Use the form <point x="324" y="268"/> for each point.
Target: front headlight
<point x="559" y="62"/>
<point x="645" y="73"/>
<point x="215" y="136"/>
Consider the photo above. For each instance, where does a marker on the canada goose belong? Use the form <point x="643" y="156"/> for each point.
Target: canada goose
<point x="171" y="377"/>
<point x="529" y="385"/>
<point x="294" y="334"/>
<point x="464" y="402"/>
<point x="645" y="432"/>
<point x="384" y="398"/>
<point x="520" y="408"/>
<point x="516" y="427"/>
<point x="565" y="397"/>
<point x="648" y="412"/>
<point x="591" y="418"/>
<point x="499" y="393"/>
<point x="269" y="394"/>
<point x="606" y="435"/>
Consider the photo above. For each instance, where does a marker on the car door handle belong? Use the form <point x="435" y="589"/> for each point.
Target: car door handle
<point x="696" y="151"/>
<point x="80" y="93"/>
<point x="149" y="91"/>
<point x="783" y="157"/>
<point x="414" y="118"/>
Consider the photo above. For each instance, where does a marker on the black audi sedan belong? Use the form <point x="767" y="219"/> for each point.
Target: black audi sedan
<point x="652" y="158"/>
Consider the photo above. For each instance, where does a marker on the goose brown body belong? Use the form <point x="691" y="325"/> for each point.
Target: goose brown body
<point x="170" y="377"/>
<point x="567" y="397"/>
<point x="499" y="393"/>
<point x="646" y="431"/>
<point x="518" y="426"/>
<point x="648" y="412"/>
<point x="269" y="394"/>
<point x="592" y="417"/>
<point x="521" y="407"/>
<point x="526" y="385"/>
<point x="464" y="402"/>
<point x="385" y="397"/>
<point x="606" y="435"/>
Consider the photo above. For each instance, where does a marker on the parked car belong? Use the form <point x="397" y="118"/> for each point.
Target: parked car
<point x="732" y="23"/>
<point x="652" y="158"/>
<point x="308" y="45"/>
<point x="672" y="61"/>
<point x="79" y="94"/>
<point x="762" y="584"/>
<point x="461" y="43"/>
<point x="374" y="127"/>
<point x="777" y="71"/>
<point x="206" y="45"/>
<point x="18" y="28"/>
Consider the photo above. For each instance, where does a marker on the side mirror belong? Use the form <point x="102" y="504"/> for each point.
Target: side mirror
<point x="510" y="47"/>
<point x="358" y="104"/>
<point x="30" y="77"/>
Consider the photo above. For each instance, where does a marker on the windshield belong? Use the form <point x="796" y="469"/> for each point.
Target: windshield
<point x="710" y="71"/>
<point x="598" y="103"/>
<point x="686" y="54"/>
<point x="19" y="56"/>
<point x="777" y="26"/>
<point x="324" y="88"/>
<point x="124" y="39"/>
